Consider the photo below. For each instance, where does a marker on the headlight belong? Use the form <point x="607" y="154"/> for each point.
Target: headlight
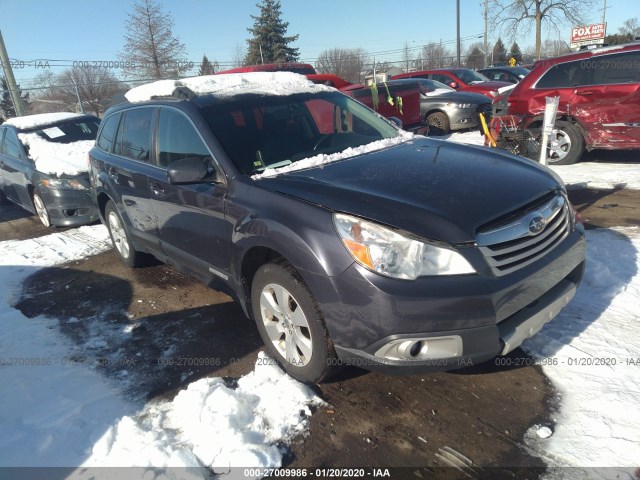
<point x="384" y="251"/>
<point x="461" y="105"/>
<point x="62" y="184"/>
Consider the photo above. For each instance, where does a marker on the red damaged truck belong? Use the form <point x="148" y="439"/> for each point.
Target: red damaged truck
<point x="599" y="107"/>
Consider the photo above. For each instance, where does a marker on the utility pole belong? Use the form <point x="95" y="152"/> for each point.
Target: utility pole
<point x="77" y="93"/>
<point x="604" y="12"/>
<point x="11" y="81"/>
<point x="458" y="30"/>
<point x="486" y="31"/>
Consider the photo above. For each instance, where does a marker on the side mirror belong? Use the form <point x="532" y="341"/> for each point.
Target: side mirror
<point x="188" y="170"/>
<point x="454" y="85"/>
<point x="396" y="120"/>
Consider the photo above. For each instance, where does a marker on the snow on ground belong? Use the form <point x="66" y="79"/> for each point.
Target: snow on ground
<point x="58" y="411"/>
<point x="263" y="83"/>
<point x="592" y="356"/>
<point x="212" y="424"/>
<point x="57" y="158"/>
<point x="579" y="175"/>
<point x="40" y="119"/>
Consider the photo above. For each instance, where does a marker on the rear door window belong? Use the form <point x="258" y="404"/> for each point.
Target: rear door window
<point x="615" y="69"/>
<point x="108" y="133"/>
<point x="134" y="138"/>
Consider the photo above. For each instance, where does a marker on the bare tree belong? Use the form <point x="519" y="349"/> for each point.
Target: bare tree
<point x="515" y="17"/>
<point x="554" y="48"/>
<point x="95" y="87"/>
<point x="435" y="55"/>
<point x="344" y="62"/>
<point x="151" y="50"/>
<point x="238" y="56"/>
<point x="631" y="27"/>
<point x="407" y="57"/>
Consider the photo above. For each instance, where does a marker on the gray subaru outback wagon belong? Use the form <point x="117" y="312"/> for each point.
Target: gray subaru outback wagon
<point x="347" y="240"/>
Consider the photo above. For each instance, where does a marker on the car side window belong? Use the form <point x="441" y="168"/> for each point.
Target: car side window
<point x="108" y="132"/>
<point x="134" y="138"/>
<point x="178" y="138"/>
<point x="569" y="74"/>
<point x="11" y="145"/>
<point x="439" y="77"/>
<point x="615" y="69"/>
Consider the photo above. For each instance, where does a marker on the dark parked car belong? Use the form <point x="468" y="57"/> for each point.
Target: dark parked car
<point x="463" y="79"/>
<point x="505" y="74"/>
<point x="346" y="239"/>
<point x="599" y="107"/>
<point x="446" y="109"/>
<point x="43" y="166"/>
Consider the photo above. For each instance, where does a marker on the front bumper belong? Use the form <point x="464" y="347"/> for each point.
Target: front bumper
<point x="487" y="316"/>
<point x="69" y="207"/>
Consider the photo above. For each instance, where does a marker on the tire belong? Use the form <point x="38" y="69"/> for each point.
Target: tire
<point x="120" y="237"/>
<point x="438" y="123"/>
<point x="297" y="338"/>
<point x="566" y="144"/>
<point x="41" y="209"/>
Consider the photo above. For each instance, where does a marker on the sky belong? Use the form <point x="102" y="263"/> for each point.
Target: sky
<point x="74" y="30"/>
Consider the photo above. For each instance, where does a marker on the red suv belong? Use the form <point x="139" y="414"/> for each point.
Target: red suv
<point x="599" y="94"/>
<point x="463" y="79"/>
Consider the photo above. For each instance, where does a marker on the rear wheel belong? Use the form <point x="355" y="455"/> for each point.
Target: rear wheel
<point x="565" y="145"/>
<point x="120" y="237"/>
<point x="41" y="210"/>
<point x="290" y="323"/>
<point x="438" y="123"/>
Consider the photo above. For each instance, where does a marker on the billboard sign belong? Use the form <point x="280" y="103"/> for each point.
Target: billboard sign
<point x="588" y="35"/>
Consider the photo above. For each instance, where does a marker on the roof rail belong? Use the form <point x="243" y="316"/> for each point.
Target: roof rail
<point x="183" y="92"/>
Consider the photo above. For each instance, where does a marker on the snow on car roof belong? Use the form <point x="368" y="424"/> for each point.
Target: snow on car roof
<point x="41" y="119"/>
<point x="263" y="83"/>
<point x="57" y="158"/>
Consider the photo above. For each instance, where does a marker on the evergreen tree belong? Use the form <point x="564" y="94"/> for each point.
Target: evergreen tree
<point x="206" y="67"/>
<point x="499" y="53"/>
<point x="7" y="109"/>
<point x="270" y="43"/>
<point x="516" y="52"/>
<point x="475" y="58"/>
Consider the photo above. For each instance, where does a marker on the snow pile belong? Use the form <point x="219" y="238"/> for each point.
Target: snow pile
<point x="52" y="408"/>
<point x="262" y="83"/>
<point x="55" y="158"/>
<point x="60" y="412"/>
<point x="213" y="425"/>
<point x="41" y="119"/>
<point x="322" y="159"/>
<point x="595" y="343"/>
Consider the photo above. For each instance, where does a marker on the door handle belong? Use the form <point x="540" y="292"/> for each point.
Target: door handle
<point x="584" y="92"/>
<point x="156" y="189"/>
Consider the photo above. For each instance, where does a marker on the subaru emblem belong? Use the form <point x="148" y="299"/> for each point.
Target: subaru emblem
<point x="536" y="225"/>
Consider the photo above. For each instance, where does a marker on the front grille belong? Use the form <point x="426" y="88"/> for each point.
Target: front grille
<point x="527" y="238"/>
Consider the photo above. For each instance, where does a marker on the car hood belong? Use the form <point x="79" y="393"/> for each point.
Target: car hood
<point x="434" y="189"/>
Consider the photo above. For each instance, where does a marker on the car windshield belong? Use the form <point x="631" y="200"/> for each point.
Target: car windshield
<point x="260" y="132"/>
<point x="520" y="71"/>
<point x="469" y="76"/>
<point x="70" y="131"/>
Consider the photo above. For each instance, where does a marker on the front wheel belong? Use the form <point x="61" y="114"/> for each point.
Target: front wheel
<point x="438" y="123"/>
<point x="41" y="210"/>
<point x="566" y="144"/>
<point x="120" y="237"/>
<point x="290" y="323"/>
